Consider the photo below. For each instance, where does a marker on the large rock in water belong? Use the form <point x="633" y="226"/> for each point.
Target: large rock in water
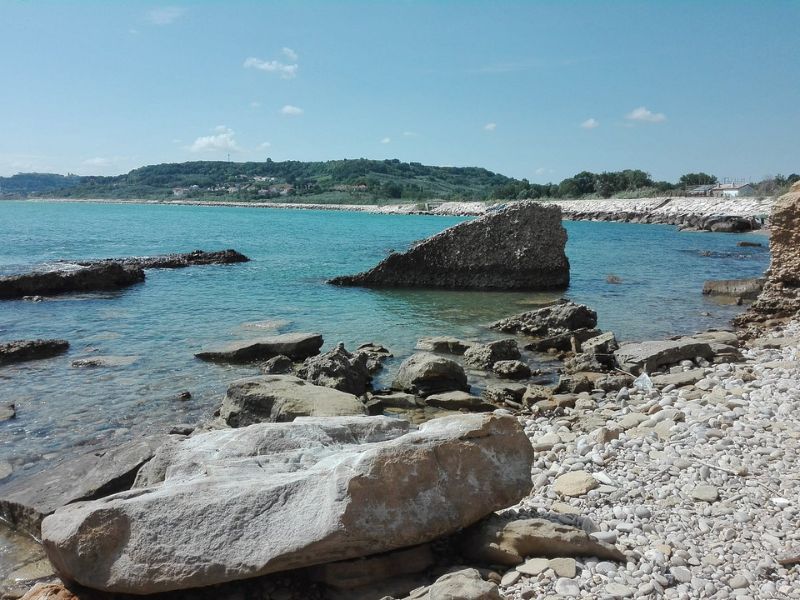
<point x="296" y="346"/>
<point x="99" y="277"/>
<point x="239" y="503"/>
<point x="560" y="317"/>
<point x="425" y="374"/>
<point x="176" y="261"/>
<point x="338" y="369"/>
<point x="281" y="398"/>
<point x="23" y="350"/>
<point x="780" y="297"/>
<point x="519" y="248"/>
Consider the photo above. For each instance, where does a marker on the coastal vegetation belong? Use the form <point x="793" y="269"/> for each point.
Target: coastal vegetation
<point x="357" y="181"/>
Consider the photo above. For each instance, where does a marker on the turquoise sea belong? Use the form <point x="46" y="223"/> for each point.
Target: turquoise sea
<point x="162" y="322"/>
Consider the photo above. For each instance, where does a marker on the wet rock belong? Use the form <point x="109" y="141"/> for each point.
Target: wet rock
<point x="511" y="369"/>
<point x="7" y="412"/>
<point x="505" y="393"/>
<point x="338" y="369"/>
<point x="568" y="341"/>
<point x="502" y="540"/>
<point x="104" y="362"/>
<point x="110" y="276"/>
<point x="425" y="374"/>
<point x="649" y="356"/>
<point x="297" y="346"/>
<point x="282" y="398"/>
<point x="183" y="396"/>
<point x="239" y="503"/>
<point x="444" y="345"/>
<point x="27" y="499"/>
<point x="376" y="356"/>
<point x="24" y="350"/>
<point x="748" y="289"/>
<point x="174" y="261"/>
<point x="458" y="401"/>
<point x="5" y="469"/>
<point x="397" y="400"/>
<point x="519" y="248"/>
<point x="558" y="318"/>
<point x="278" y="365"/>
<point x="483" y="356"/>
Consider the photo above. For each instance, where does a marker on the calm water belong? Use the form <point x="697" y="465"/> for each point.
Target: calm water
<point x="161" y="323"/>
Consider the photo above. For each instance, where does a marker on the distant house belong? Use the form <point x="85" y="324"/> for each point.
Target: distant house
<point x="732" y="190"/>
<point x="702" y="190"/>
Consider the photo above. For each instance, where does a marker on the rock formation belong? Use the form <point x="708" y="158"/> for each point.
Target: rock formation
<point x="23" y="350"/>
<point x="175" y="261"/>
<point x="519" y="248"/>
<point x="338" y="369"/>
<point x="296" y="346"/>
<point x="100" y="277"/>
<point x="780" y="297"/>
<point x="238" y="503"/>
<point x="425" y="374"/>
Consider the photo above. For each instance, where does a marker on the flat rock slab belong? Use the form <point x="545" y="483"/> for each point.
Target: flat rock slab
<point x="176" y="261"/>
<point x="297" y="346"/>
<point x="27" y="499"/>
<point x="24" y="350"/>
<point x="649" y="356"/>
<point x="459" y="400"/>
<point x="680" y="379"/>
<point x="282" y="398"/>
<point x="574" y="483"/>
<point x="107" y="361"/>
<point x="518" y="248"/>
<point x="107" y="276"/>
<point x="239" y="503"/>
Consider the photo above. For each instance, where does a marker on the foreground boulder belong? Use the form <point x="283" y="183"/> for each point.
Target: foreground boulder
<point x="780" y="297"/>
<point x="296" y="346"/>
<point x="338" y="369"/>
<point x="519" y="248"/>
<point x="239" y="503"/>
<point x="175" y="261"/>
<point x="558" y="318"/>
<point x="649" y="356"/>
<point x="425" y="374"/>
<point x="24" y="350"/>
<point x="26" y="500"/>
<point x="282" y="398"/>
<point x="100" y="277"/>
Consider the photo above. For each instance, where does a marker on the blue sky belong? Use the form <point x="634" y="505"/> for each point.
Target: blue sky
<point x="530" y="89"/>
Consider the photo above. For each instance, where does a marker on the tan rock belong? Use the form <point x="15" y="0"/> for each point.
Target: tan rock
<point x="574" y="483"/>
<point x="563" y="567"/>
<point x="534" y="566"/>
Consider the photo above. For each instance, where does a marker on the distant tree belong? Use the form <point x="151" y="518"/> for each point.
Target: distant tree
<point x="694" y="179"/>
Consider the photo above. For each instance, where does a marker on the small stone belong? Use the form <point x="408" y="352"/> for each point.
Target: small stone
<point x="705" y="493"/>
<point x="617" y="590"/>
<point x="9" y="411"/>
<point x="534" y="566"/>
<point x="681" y="574"/>
<point x="738" y="582"/>
<point x="574" y="483"/>
<point x="5" y="469"/>
<point x="567" y="587"/>
<point x="510" y="578"/>
<point x="563" y="567"/>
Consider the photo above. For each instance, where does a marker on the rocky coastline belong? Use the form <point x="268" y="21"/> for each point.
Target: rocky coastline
<point x="665" y="468"/>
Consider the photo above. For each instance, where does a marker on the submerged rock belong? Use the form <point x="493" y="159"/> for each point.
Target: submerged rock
<point x="239" y="503"/>
<point x="338" y="369"/>
<point x="175" y="261"/>
<point x="278" y="365"/>
<point x="297" y="346"/>
<point x="281" y="398"/>
<point x="425" y="374"/>
<point x="100" y="277"/>
<point x="519" y="248"/>
<point x="24" y="350"/>
<point x="558" y="318"/>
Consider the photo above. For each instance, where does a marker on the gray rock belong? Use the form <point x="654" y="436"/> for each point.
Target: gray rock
<point x="7" y="412"/>
<point x="649" y="356"/>
<point x="511" y="369"/>
<point x="282" y="398"/>
<point x="425" y="374"/>
<point x="519" y="248"/>
<point x="5" y="469"/>
<point x="457" y="401"/>
<point x="338" y="369"/>
<point x="376" y="355"/>
<point x="502" y="393"/>
<point x="240" y="503"/>
<point x="466" y="584"/>
<point x="102" y="277"/>
<point x="24" y="350"/>
<point x="104" y="362"/>
<point x="174" y="261"/>
<point x="584" y="362"/>
<point x="748" y="289"/>
<point x="278" y="365"/>
<point x="560" y="317"/>
<point x="296" y="346"/>
<point x="602" y="347"/>
<point x="363" y="571"/>
<point x="483" y="356"/>
<point x="397" y="400"/>
<point x="443" y="345"/>
<point x="679" y="379"/>
<point x="27" y="499"/>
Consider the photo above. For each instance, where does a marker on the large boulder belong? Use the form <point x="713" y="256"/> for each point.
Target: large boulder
<point x="425" y="374"/>
<point x="28" y="499"/>
<point x="296" y="346"/>
<point x="338" y="369"/>
<point x="780" y="297"/>
<point x="649" y="356"/>
<point x="240" y="503"/>
<point x="560" y="317"/>
<point x="443" y="345"/>
<point x="176" y="261"/>
<point x="519" y="248"/>
<point x="483" y="356"/>
<point x="282" y="398"/>
<point x="24" y="350"/>
<point x="747" y="289"/>
<point x="100" y="277"/>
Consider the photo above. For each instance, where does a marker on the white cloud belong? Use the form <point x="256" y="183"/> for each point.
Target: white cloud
<point x="410" y="134"/>
<point x="289" y="54"/>
<point x="590" y="123"/>
<point x="386" y="140"/>
<point x="272" y="66"/>
<point x="291" y="111"/>
<point x="490" y="127"/>
<point x="97" y="161"/>
<point x="645" y="115"/>
<point x="165" y="15"/>
<point x="223" y="139"/>
<point x="263" y="145"/>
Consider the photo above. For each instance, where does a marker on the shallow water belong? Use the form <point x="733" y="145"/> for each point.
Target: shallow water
<point x="161" y="323"/>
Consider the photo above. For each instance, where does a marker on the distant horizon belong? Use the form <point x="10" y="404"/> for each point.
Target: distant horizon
<point x="538" y="90"/>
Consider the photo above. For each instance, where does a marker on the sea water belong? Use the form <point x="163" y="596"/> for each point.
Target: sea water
<point x="159" y="325"/>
